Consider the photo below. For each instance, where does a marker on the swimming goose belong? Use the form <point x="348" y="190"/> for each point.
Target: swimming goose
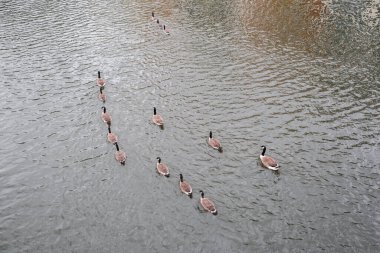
<point x="111" y="136"/>
<point x="159" y="25"/>
<point x="156" y="118"/>
<point x="185" y="186"/>
<point x="100" y="81"/>
<point x="120" y="155"/>
<point x="166" y="30"/>
<point x="214" y="143"/>
<point x="267" y="161"/>
<point x="106" y="117"/>
<point x="102" y="96"/>
<point x="162" y="168"/>
<point x="207" y="204"/>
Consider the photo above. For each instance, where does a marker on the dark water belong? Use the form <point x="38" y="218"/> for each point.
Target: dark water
<point x="301" y="77"/>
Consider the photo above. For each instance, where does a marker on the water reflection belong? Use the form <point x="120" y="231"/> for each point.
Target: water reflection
<point x="371" y="13"/>
<point x="321" y="27"/>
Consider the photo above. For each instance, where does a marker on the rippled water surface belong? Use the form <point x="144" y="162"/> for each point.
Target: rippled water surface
<point x="301" y="77"/>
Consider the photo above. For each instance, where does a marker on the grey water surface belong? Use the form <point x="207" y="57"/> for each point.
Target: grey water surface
<point x="301" y="77"/>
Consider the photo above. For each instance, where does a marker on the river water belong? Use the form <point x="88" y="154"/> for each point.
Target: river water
<point x="301" y="77"/>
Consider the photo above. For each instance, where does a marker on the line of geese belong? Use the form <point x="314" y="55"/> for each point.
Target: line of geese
<point x="184" y="186"/>
<point x="120" y="155"/>
<point x="163" y="27"/>
<point x="162" y="168"/>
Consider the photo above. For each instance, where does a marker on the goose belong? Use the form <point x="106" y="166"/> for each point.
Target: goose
<point x="267" y="161"/>
<point x="100" y="81"/>
<point x="156" y="118"/>
<point x="106" y="117"/>
<point x="102" y="96"/>
<point x="185" y="186"/>
<point x="120" y="155"/>
<point x="166" y="30"/>
<point x="111" y="136"/>
<point x="207" y="204"/>
<point x="214" y="143"/>
<point x="153" y="18"/>
<point x="159" y="25"/>
<point x="162" y="168"/>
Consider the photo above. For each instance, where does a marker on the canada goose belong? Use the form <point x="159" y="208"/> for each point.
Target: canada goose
<point x="166" y="30"/>
<point x="185" y="186"/>
<point x="100" y="81"/>
<point x="267" y="161"/>
<point x="162" y="168"/>
<point x="207" y="204"/>
<point x="156" y="118"/>
<point x="214" y="143"/>
<point x="120" y="155"/>
<point x="102" y="96"/>
<point x="106" y="117"/>
<point x="111" y="136"/>
<point x="159" y="25"/>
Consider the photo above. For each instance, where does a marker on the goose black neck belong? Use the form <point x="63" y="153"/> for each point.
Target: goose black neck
<point x="109" y="129"/>
<point x="181" y="177"/>
<point x="164" y="27"/>
<point x="117" y="146"/>
<point x="98" y="74"/>
<point x="210" y="134"/>
<point x="104" y="109"/>
<point x="159" y="160"/>
<point x="152" y="14"/>
<point x="202" y="194"/>
<point x="158" y="21"/>
<point x="264" y="149"/>
<point x="154" y="111"/>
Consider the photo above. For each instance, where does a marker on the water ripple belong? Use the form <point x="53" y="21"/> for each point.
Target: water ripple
<point x="220" y="70"/>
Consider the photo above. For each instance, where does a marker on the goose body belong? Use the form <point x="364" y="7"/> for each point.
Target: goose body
<point x="166" y="30"/>
<point x="106" y="117"/>
<point x="185" y="186"/>
<point x="120" y="155"/>
<point x="158" y="23"/>
<point x="102" y="96"/>
<point x="267" y="161"/>
<point x="111" y="136"/>
<point x="214" y="143"/>
<point x="162" y="168"/>
<point x="207" y="204"/>
<point x="100" y="81"/>
<point x="156" y="118"/>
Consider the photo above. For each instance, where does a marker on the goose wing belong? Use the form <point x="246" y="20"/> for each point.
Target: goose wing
<point x="215" y="143"/>
<point x="163" y="168"/>
<point x="208" y="205"/>
<point x="102" y="97"/>
<point x="185" y="187"/>
<point x="100" y="81"/>
<point x="106" y="117"/>
<point x="112" y="137"/>
<point x="157" y="119"/>
<point x="120" y="156"/>
<point x="269" y="161"/>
